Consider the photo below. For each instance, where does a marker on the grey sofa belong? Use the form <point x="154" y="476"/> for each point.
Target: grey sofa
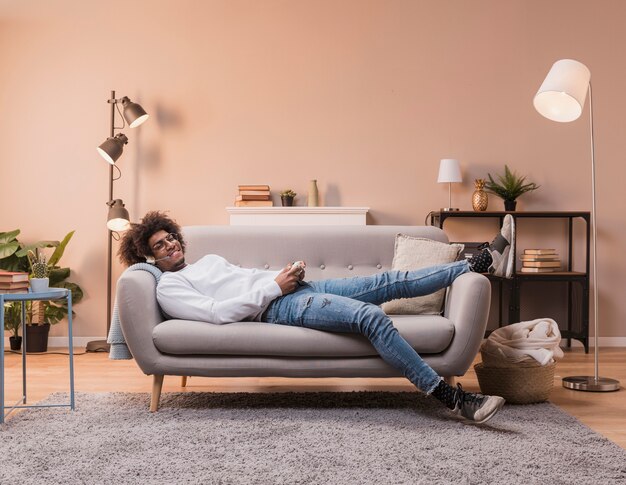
<point x="448" y="342"/>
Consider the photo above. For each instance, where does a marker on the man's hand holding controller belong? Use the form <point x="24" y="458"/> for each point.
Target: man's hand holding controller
<point x="289" y="278"/>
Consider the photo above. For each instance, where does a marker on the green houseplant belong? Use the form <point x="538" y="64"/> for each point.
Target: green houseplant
<point x="286" y="197"/>
<point x="509" y="187"/>
<point x="14" y="256"/>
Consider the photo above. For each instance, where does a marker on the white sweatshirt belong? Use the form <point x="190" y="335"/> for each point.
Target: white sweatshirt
<point x="213" y="290"/>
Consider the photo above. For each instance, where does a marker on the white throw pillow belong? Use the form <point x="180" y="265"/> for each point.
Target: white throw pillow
<point x="415" y="253"/>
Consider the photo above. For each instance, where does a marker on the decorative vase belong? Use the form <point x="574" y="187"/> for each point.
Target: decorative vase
<point x="286" y="201"/>
<point x="313" y="194"/>
<point x="509" y="205"/>
<point x="39" y="285"/>
<point x="480" y="199"/>
<point x="37" y="337"/>
<point x="15" y="343"/>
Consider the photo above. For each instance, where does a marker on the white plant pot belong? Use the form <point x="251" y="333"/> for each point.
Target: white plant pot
<point x="39" y="285"/>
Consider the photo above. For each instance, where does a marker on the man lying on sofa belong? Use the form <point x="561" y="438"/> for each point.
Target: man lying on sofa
<point x="216" y="291"/>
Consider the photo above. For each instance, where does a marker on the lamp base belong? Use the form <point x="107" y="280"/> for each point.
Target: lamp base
<point x="97" y="346"/>
<point x="448" y="209"/>
<point x="590" y="383"/>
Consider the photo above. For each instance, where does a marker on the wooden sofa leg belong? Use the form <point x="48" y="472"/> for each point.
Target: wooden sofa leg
<point x="183" y="381"/>
<point x="157" y="384"/>
<point x="450" y="381"/>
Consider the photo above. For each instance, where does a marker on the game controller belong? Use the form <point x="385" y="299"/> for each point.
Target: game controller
<point x="298" y="267"/>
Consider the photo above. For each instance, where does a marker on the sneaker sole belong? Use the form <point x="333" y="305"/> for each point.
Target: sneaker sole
<point x="491" y="407"/>
<point x="509" y="236"/>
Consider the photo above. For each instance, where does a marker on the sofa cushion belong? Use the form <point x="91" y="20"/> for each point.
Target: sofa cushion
<point x="428" y="334"/>
<point x="415" y="253"/>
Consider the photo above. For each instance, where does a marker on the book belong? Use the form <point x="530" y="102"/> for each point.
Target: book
<point x="542" y="264"/>
<point x="253" y="197"/>
<point x="538" y="270"/>
<point x="255" y="192"/>
<point x="13" y="276"/>
<point x="254" y="203"/>
<point x="14" y="290"/>
<point x="7" y="285"/>
<point x="539" y="251"/>
<point x="253" y="187"/>
<point x="539" y="257"/>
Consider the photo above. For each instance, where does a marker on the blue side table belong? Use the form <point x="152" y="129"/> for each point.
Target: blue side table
<point x="51" y="294"/>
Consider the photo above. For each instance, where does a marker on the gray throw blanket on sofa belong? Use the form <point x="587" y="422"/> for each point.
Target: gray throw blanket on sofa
<point x="119" y="349"/>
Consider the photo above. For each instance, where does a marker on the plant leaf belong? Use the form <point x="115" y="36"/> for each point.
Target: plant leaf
<point x="7" y="237"/>
<point x="8" y="249"/>
<point x="40" y="244"/>
<point x="60" y="249"/>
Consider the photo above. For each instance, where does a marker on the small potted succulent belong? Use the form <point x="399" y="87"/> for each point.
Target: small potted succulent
<point x="509" y="187"/>
<point x="286" y="197"/>
<point x="39" y="281"/>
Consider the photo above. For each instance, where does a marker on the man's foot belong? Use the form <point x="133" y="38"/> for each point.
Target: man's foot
<point x="476" y="407"/>
<point x="502" y="249"/>
<point x="497" y="257"/>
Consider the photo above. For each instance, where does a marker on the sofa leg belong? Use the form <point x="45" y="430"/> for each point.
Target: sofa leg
<point x="157" y="384"/>
<point x="451" y="381"/>
<point x="183" y="381"/>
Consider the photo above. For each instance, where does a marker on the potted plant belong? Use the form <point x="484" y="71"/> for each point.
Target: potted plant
<point x="14" y="257"/>
<point x="286" y="197"/>
<point x="509" y="187"/>
<point x="12" y="320"/>
<point x="39" y="280"/>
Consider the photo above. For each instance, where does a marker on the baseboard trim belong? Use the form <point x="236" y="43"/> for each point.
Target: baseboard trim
<point x="78" y="341"/>
<point x="604" y="342"/>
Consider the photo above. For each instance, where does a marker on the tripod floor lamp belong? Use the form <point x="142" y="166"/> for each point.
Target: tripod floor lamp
<point x="118" y="218"/>
<point x="561" y="98"/>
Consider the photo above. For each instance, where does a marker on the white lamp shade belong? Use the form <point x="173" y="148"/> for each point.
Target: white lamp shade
<point x="562" y="95"/>
<point x="449" y="171"/>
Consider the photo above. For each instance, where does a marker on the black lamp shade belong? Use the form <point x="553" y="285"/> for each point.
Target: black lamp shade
<point x="118" y="219"/>
<point x="133" y="113"/>
<point x="111" y="149"/>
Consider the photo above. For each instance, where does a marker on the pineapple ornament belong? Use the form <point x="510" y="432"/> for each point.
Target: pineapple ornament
<point x="480" y="198"/>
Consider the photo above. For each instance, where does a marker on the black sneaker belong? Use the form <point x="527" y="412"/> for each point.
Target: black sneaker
<point x="476" y="407"/>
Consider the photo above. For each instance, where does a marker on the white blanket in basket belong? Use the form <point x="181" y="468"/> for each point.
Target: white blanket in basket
<point x="536" y="339"/>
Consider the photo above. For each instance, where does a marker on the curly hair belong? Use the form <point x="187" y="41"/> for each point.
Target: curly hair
<point x="134" y="245"/>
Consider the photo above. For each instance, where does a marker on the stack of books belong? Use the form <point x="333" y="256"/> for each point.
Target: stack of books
<point x="254" y="196"/>
<point x="540" y="261"/>
<point x="13" y="282"/>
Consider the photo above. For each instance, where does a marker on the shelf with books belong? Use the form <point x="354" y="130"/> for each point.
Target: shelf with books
<point x="536" y="266"/>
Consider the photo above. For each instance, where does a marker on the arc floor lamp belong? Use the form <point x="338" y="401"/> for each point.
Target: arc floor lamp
<point x="118" y="218"/>
<point x="561" y="98"/>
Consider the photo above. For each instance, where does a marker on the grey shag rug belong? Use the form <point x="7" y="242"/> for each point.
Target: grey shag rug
<point x="298" y="438"/>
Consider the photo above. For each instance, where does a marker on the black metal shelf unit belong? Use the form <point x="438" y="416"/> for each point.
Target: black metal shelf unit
<point x="510" y="290"/>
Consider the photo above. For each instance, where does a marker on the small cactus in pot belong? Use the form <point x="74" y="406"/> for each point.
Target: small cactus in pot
<point x="39" y="271"/>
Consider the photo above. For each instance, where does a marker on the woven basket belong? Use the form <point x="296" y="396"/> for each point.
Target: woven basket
<point x="518" y="384"/>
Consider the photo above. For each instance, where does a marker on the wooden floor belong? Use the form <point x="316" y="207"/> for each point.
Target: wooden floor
<point x="47" y="373"/>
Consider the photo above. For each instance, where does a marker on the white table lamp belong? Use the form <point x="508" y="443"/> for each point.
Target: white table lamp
<point x="449" y="172"/>
<point x="561" y="98"/>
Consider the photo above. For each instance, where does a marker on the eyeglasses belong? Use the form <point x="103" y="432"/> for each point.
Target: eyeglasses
<point x="160" y="244"/>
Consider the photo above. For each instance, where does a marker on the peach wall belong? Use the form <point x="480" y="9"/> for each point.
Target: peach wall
<point x="364" y="96"/>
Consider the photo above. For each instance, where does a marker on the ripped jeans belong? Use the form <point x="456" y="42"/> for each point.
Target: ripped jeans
<point x="351" y="305"/>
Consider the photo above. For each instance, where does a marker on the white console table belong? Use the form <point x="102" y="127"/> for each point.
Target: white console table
<point x="297" y="216"/>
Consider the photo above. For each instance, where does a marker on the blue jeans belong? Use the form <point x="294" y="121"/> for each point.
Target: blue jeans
<point x="351" y="305"/>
